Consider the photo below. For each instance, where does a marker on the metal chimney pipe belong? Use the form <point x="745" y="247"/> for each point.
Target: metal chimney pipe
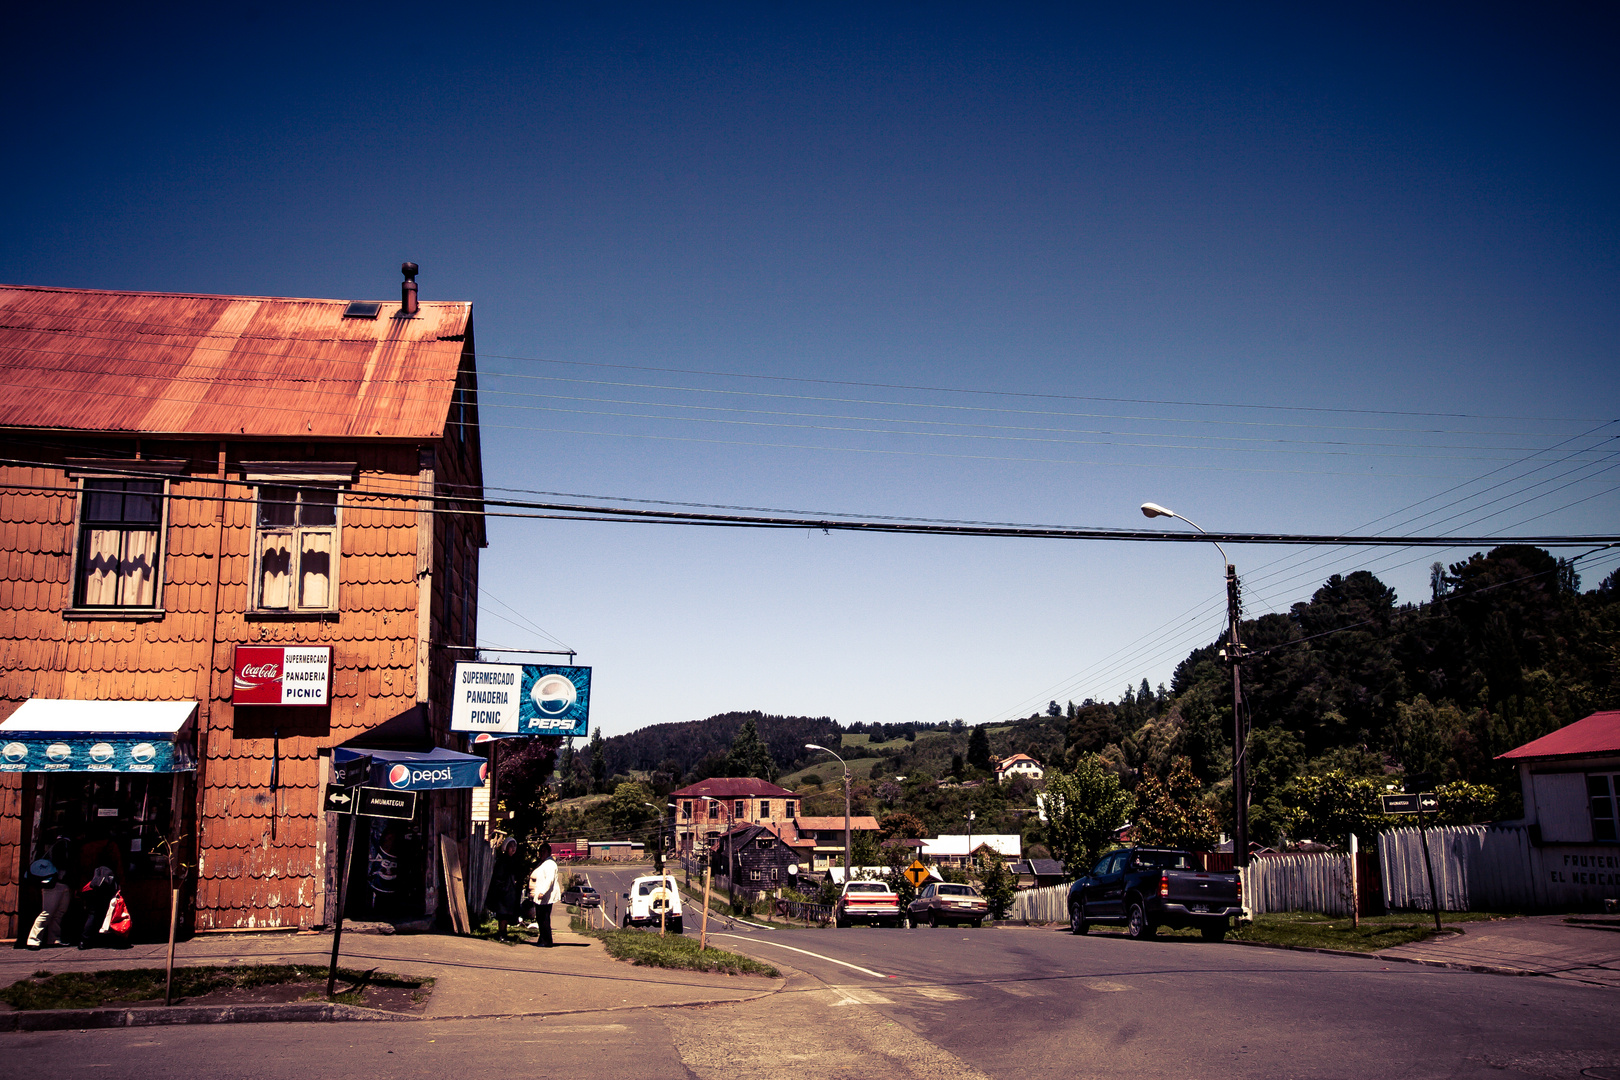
<point x="407" y="289"/>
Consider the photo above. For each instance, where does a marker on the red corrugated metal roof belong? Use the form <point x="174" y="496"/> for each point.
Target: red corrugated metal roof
<point x="1597" y="734"/>
<point x="732" y="787"/>
<point x="168" y="363"/>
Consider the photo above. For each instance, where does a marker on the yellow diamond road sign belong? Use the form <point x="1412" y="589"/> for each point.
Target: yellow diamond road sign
<point x="917" y="873"/>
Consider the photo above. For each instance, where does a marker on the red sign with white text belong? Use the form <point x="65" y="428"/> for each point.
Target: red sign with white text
<point x="281" y="675"/>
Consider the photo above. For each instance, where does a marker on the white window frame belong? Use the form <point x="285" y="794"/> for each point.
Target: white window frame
<point x="301" y="476"/>
<point x="1612" y="821"/>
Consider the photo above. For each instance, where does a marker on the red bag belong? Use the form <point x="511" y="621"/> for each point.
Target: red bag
<point x="117" y="920"/>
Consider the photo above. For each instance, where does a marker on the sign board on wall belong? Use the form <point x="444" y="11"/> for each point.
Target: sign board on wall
<point x="503" y="700"/>
<point x="281" y="675"/>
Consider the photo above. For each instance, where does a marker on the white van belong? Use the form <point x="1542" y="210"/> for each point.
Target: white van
<point x="651" y="899"/>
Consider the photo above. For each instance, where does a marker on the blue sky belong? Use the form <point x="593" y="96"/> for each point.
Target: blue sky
<point x="1279" y="270"/>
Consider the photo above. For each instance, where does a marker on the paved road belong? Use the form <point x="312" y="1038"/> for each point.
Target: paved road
<point x="1021" y="1002"/>
<point x="1008" y="1003"/>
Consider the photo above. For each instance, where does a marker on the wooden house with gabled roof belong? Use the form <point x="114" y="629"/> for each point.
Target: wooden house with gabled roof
<point x="235" y="532"/>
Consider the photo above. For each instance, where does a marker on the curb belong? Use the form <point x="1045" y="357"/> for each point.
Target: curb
<point x="85" y="1019"/>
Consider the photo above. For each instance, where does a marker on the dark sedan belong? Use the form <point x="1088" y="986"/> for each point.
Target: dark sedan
<point x="945" y="903"/>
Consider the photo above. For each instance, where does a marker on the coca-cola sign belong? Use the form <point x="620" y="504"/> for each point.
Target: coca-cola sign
<point x="281" y="675"/>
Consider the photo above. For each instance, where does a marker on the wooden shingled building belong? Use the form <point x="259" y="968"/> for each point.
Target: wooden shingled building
<point x="235" y="533"/>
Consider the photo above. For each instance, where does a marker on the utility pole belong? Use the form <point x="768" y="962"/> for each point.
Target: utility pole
<point x="1240" y="795"/>
<point x="1234" y="654"/>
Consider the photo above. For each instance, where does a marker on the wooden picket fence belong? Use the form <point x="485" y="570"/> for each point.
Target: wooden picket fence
<point x="1476" y="867"/>
<point x="1272" y="883"/>
<point x="1047" y="904"/>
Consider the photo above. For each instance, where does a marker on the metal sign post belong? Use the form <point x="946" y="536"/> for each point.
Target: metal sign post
<point x="346" y="825"/>
<point x="1422" y="803"/>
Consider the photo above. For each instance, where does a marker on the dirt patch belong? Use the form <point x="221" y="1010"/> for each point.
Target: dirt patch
<point x="218" y="986"/>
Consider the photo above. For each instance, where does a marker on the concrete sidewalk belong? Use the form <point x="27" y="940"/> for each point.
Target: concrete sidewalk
<point x="475" y="978"/>
<point x="1586" y="949"/>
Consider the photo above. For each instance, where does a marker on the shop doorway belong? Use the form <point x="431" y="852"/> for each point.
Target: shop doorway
<point x="119" y="820"/>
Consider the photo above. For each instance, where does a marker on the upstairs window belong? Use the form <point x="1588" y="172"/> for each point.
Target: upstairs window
<point x="120" y="544"/>
<point x="740" y="810"/>
<point x="296" y="548"/>
<point x="788" y="808"/>
<point x="686" y="808"/>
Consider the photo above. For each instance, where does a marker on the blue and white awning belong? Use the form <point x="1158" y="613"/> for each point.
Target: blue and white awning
<point x="59" y="735"/>
<point x="405" y="770"/>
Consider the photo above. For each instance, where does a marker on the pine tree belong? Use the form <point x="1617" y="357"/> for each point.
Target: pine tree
<point x="598" y="763"/>
<point x="978" y="751"/>
<point x="749" y="756"/>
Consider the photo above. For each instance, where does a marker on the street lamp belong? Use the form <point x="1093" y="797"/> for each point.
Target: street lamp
<point x="824" y="750"/>
<point x="1240" y="807"/>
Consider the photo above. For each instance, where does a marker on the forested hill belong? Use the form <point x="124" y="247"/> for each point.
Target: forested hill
<point x="695" y="748"/>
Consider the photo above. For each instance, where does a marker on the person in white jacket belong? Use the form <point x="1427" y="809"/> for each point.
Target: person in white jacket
<point x="545" y="891"/>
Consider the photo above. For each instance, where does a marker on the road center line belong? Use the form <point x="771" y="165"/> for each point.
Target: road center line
<point x="807" y="952"/>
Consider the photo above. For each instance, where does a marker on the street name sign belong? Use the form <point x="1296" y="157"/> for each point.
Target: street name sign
<point x="1425" y="803"/>
<point x="383" y="803"/>
<point x="350" y="773"/>
<point x="916" y="873"/>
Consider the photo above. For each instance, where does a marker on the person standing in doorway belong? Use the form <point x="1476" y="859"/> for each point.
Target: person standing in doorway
<point x="505" y="886"/>
<point x="96" y="896"/>
<point x="54" y="897"/>
<point x="543" y="887"/>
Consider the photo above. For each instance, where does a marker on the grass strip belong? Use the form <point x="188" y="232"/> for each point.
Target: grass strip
<point x="93" y="989"/>
<point x="646" y="949"/>
<point x="1310" y="930"/>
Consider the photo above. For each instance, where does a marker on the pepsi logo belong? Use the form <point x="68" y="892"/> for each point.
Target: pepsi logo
<point x="14" y="751"/>
<point x="59" y="751"/>
<point x="483" y="737"/>
<point x="553" y="694"/>
<point x="399" y="776"/>
<point x="483" y="772"/>
<point x="143" y="752"/>
<point x="101" y="752"/>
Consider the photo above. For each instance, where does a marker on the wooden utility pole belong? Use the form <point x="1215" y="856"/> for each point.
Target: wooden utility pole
<point x="1240" y="795"/>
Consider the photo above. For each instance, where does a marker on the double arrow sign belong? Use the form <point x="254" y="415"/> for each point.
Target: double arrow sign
<point x="1425" y="803"/>
<point x="370" y="802"/>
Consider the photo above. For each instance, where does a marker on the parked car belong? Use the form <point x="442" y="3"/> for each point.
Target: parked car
<point x="581" y="896"/>
<point x="945" y="903"/>
<point x="1143" y="889"/>
<point x="651" y="901"/>
<point x="870" y="902"/>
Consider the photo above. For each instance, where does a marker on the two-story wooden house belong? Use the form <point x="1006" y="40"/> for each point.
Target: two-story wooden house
<point x="235" y="532"/>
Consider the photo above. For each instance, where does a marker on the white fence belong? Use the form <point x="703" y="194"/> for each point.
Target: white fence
<point x="1047" y="904"/>
<point x="1476" y="868"/>
<point x="1308" y="882"/>
<point x="1276" y="883"/>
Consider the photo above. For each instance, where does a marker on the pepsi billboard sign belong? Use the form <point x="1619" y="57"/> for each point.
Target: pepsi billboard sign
<point x="494" y="701"/>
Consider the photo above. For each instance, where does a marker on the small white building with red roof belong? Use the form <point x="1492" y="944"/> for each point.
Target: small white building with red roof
<point x="1571" y="785"/>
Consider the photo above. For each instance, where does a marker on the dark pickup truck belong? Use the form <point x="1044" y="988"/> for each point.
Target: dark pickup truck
<point x="1146" y="888"/>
